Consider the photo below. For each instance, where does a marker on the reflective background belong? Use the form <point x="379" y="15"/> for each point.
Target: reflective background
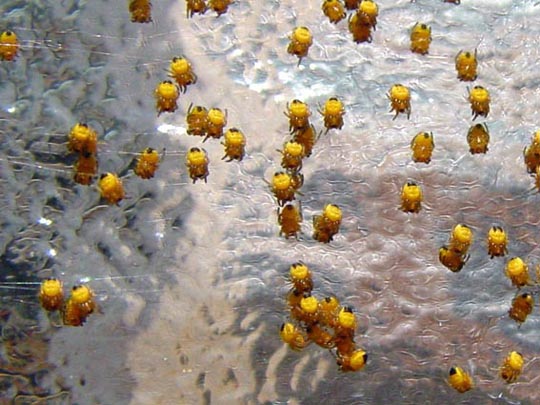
<point x="191" y="278"/>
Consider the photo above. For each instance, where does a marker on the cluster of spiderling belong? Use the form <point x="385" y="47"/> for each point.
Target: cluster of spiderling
<point x="455" y="255"/>
<point x="201" y="6"/>
<point x="323" y="322"/>
<point x="167" y="91"/>
<point x="422" y="144"/>
<point x="509" y="371"/>
<point x="361" y="22"/>
<point x="210" y="124"/>
<point x="75" y="309"/>
<point x="522" y="304"/>
<point x="200" y="121"/>
<point x="517" y="271"/>
<point x="83" y="140"/>
<point x="167" y="94"/>
<point x="141" y="10"/>
<point x="286" y="184"/>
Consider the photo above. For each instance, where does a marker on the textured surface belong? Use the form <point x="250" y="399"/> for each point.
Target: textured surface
<point x="191" y="278"/>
